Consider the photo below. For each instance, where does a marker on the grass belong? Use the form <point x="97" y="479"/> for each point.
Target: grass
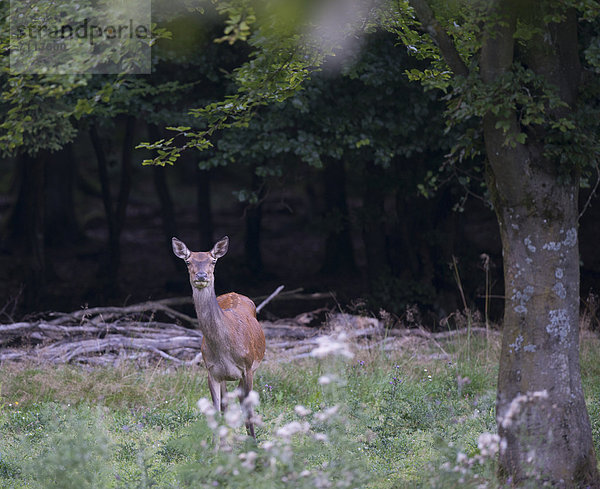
<point x="400" y="415"/>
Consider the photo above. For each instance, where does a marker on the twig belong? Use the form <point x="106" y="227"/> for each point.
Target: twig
<point x="268" y="299"/>
<point x="592" y="194"/>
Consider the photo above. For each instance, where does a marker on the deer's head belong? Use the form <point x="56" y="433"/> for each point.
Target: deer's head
<point x="201" y="264"/>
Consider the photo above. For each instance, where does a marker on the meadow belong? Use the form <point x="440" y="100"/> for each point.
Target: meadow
<point x="421" y="415"/>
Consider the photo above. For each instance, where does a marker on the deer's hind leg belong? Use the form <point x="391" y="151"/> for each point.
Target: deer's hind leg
<point x="245" y="388"/>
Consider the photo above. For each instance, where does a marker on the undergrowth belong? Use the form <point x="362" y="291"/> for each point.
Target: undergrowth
<point x="398" y="419"/>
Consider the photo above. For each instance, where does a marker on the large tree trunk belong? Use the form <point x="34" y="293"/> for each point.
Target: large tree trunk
<point x="540" y="407"/>
<point x="541" y="410"/>
<point x="542" y="417"/>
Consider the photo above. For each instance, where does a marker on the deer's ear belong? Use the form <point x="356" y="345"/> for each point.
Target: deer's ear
<point x="180" y="249"/>
<point x="220" y="248"/>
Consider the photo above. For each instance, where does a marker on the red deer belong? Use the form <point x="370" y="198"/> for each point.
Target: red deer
<point x="233" y="343"/>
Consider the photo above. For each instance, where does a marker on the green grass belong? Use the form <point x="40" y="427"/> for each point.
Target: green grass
<point x="401" y="415"/>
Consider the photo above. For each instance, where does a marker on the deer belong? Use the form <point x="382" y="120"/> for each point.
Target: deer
<point x="233" y="342"/>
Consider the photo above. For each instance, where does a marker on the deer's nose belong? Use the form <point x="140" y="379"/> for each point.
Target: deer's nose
<point x="201" y="276"/>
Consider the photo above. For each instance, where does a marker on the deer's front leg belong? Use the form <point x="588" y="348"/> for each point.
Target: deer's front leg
<point x="224" y="399"/>
<point x="215" y="392"/>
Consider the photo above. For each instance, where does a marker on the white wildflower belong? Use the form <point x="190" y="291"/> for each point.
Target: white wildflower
<point x="305" y="473"/>
<point x="206" y="407"/>
<point x="328" y="345"/>
<point x="321" y="481"/>
<point x="324" y="380"/>
<point x="461" y="458"/>
<point x="321" y="437"/>
<point x="248" y="460"/>
<point x="514" y="407"/>
<point x="302" y="411"/>
<point x="233" y="395"/>
<point x="488" y="444"/>
<point x="290" y="429"/>
<point x="328" y="413"/>
<point x="252" y="399"/>
<point x="256" y="420"/>
<point x="233" y="417"/>
<point x="268" y="445"/>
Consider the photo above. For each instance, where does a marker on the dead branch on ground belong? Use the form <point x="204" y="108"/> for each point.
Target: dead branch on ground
<point x="156" y="330"/>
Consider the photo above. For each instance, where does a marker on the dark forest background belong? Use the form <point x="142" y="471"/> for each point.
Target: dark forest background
<point x="349" y="186"/>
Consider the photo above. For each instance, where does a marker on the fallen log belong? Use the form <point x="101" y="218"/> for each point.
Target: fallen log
<point x="105" y="335"/>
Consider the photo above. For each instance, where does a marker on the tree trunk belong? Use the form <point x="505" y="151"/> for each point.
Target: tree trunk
<point x="111" y="264"/>
<point x="117" y="213"/>
<point x="60" y="219"/>
<point x="540" y="407"/>
<point x="542" y="417"/>
<point x="373" y="229"/>
<point x="126" y="169"/>
<point x="25" y="225"/>
<point x="167" y="211"/>
<point x="204" y="209"/>
<point x="339" y="252"/>
<point x="253" y="223"/>
<point x="541" y="410"/>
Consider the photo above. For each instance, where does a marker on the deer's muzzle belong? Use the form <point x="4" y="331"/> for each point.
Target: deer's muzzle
<point x="201" y="280"/>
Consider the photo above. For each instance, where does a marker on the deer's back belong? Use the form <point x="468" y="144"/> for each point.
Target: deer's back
<point x="246" y="328"/>
<point x="238" y="302"/>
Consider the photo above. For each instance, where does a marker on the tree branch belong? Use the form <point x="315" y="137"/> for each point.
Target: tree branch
<point x="440" y="37"/>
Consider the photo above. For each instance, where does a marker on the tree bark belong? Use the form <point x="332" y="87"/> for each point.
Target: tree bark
<point x="541" y="411"/>
<point x="540" y="406"/>
<point x="542" y="417"/>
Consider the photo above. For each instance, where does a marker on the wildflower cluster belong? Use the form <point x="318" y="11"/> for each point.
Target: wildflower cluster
<point x="470" y="471"/>
<point x="225" y="429"/>
<point x="284" y="457"/>
<point x="396" y="380"/>
<point x="308" y="448"/>
<point x="516" y="405"/>
<point x="332" y="345"/>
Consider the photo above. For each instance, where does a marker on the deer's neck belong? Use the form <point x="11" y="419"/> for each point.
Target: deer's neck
<point x="210" y="315"/>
